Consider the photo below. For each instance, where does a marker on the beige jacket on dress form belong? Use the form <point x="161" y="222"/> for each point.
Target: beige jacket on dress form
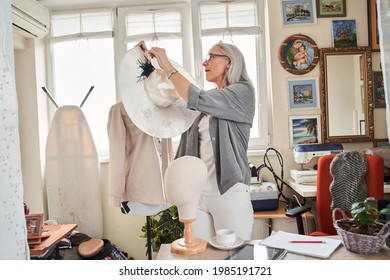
<point x="137" y="161"/>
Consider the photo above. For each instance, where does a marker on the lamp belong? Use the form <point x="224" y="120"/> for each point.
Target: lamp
<point x="183" y="182"/>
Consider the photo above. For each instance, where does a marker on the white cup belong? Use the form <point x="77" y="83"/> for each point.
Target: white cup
<point x="226" y="237"/>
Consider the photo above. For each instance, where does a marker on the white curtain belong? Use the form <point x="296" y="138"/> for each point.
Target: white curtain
<point x="383" y="11"/>
<point x="13" y="234"/>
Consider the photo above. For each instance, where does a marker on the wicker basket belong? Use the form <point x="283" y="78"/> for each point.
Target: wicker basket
<point x="361" y="243"/>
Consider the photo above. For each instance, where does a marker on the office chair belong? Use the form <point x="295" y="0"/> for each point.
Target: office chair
<point x="374" y="180"/>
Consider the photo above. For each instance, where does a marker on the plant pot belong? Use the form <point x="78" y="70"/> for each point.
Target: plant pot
<point x="361" y="243"/>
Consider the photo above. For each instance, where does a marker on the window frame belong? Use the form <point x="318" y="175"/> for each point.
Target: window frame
<point x="263" y="141"/>
<point x="193" y="57"/>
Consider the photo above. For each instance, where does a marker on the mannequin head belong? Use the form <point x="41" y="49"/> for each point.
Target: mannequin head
<point x="183" y="183"/>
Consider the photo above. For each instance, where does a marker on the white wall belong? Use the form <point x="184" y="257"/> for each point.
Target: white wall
<point x="125" y="230"/>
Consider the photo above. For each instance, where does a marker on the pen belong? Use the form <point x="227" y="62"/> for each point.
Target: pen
<point x="308" y="241"/>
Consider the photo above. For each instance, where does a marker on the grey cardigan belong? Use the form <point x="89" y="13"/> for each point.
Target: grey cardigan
<point x="232" y="111"/>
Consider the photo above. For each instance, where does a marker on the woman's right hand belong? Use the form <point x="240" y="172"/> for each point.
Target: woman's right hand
<point x="161" y="56"/>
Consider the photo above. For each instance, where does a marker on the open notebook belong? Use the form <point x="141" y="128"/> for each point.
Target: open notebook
<point x="281" y="239"/>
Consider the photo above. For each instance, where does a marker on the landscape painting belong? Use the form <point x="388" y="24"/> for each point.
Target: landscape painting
<point x="296" y="12"/>
<point x="302" y="94"/>
<point x="304" y="130"/>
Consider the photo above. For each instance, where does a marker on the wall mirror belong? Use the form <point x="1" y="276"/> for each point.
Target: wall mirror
<point x="346" y="95"/>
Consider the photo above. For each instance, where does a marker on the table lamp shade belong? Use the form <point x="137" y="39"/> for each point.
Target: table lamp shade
<point x="183" y="183"/>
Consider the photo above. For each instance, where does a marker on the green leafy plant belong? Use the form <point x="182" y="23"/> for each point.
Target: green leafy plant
<point x="367" y="213"/>
<point x="165" y="228"/>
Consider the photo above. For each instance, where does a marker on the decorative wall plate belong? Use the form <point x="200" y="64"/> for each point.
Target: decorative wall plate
<point x="298" y="54"/>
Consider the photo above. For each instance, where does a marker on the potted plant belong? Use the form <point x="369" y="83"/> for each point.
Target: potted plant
<point x="165" y="228"/>
<point x="365" y="231"/>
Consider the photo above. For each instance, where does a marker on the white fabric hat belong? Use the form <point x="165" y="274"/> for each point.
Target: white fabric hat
<point x="152" y="102"/>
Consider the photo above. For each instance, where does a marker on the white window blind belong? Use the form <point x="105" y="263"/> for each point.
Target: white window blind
<point x="93" y="24"/>
<point x="156" y="24"/>
<point x="238" y="16"/>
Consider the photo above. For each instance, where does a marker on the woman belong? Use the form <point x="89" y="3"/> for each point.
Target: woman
<point x="219" y="137"/>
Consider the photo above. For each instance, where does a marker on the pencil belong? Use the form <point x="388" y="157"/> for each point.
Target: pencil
<point x="307" y="241"/>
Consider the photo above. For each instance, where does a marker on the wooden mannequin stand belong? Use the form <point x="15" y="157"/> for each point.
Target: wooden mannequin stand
<point x="188" y="245"/>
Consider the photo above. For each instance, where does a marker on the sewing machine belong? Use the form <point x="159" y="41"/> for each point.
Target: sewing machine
<point x="305" y="153"/>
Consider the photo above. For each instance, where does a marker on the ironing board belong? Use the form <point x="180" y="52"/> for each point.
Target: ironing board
<point x="72" y="172"/>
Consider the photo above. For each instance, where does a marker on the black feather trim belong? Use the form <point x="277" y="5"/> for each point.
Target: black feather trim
<point x="147" y="69"/>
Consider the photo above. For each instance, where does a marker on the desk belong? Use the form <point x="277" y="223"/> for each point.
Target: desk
<point x="57" y="233"/>
<point x="310" y="190"/>
<point x="214" y="254"/>
<point x="279" y="213"/>
<point x="277" y="220"/>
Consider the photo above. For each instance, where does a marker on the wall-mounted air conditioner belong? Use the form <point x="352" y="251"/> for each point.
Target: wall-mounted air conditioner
<point x="30" y="19"/>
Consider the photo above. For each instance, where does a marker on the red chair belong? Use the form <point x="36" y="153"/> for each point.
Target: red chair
<point x="374" y="183"/>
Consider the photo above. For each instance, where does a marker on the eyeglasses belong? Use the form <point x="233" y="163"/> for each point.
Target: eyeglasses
<point x="210" y="56"/>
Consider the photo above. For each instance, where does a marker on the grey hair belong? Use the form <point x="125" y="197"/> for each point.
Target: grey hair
<point x="237" y="70"/>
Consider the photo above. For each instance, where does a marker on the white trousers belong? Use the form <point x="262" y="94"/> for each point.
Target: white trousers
<point x="231" y="210"/>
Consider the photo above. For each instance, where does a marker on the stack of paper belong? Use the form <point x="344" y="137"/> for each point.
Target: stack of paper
<point x="320" y="247"/>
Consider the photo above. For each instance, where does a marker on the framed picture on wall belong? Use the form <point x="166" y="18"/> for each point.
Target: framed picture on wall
<point x="373" y="34"/>
<point x="381" y="142"/>
<point x="378" y="89"/>
<point x="298" y="54"/>
<point x="303" y="93"/>
<point x="334" y="8"/>
<point x="344" y="33"/>
<point x="298" y="12"/>
<point x="304" y="130"/>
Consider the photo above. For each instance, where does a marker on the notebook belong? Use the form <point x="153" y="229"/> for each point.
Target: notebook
<point x="257" y="252"/>
<point x="281" y="239"/>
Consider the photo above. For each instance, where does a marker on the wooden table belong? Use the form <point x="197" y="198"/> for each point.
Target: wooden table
<point x="214" y="254"/>
<point x="57" y="233"/>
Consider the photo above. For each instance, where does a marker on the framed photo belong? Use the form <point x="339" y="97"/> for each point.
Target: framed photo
<point x="303" y="93"/>
<point x="381" y="142"/>
<point x="304" y="130"/>
<point x="373" y="34"/>
<point x="298" y="54"/>
<point x="34" y="224"/>
<point x="297" y="12"/>
<point x="334" y="8"/>
<point x="378" y="89"/>
<point x="344" y="33"/>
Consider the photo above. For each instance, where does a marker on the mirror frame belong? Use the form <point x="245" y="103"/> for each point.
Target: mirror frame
<point x="367" y="78"/>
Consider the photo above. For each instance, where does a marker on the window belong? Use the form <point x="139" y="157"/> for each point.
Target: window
<point x="157" y="26"/>
<point x="239" y="22"/>
<point x="85" y="52"/>
<point x="82" y="49"/>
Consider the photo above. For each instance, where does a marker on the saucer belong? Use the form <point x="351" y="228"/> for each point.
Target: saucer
<point x="213" y="242"/>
